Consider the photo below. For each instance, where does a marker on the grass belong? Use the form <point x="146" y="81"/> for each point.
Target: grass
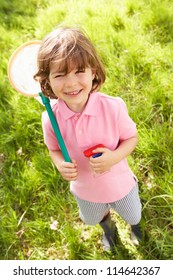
<point x="134" y="39"/>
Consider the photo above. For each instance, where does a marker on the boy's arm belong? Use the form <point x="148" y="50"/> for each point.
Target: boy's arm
<point x="125" y="148"/>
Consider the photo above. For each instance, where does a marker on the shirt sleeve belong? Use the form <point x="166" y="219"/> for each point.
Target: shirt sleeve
<point x="126" y="126"/>
<point x="49" y="136"/>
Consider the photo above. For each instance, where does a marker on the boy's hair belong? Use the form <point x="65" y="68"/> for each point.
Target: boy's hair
<point x="68" y="48"/>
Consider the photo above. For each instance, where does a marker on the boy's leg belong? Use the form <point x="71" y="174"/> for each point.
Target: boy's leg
<point x="98" y="213"/>
<point x="129" y="208"/>
<point x="91" y="213"/>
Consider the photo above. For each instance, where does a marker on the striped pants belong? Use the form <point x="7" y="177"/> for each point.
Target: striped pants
<point x="129" y="208"/>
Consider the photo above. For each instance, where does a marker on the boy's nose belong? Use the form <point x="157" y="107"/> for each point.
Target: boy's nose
<point x="71" y="80"/>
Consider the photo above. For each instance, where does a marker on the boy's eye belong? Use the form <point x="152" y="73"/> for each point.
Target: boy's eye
<point x="80" y="71"/>
<point x="59" y="75"/>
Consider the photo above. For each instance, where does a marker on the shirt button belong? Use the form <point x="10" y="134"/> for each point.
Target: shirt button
<point x="80" y="131"/>
<point x="75" y="118"/>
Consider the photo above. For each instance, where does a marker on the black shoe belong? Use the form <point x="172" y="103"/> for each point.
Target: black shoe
<point x="110" y="234"/>
<point x="136" y="234"/>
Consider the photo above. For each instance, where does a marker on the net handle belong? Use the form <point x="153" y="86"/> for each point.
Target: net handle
<point x="55" y="126"/>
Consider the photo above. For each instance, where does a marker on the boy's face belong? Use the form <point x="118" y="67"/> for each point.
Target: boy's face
<point x="73" y="87"/>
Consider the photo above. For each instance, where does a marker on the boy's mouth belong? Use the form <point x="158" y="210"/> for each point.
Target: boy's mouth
<point x="75" y="92"/>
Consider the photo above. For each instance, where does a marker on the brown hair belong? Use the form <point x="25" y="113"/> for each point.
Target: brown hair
<point x="67" y="47"/>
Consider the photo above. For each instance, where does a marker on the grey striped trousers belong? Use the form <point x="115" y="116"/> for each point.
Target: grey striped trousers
<point x="129" y="208"/>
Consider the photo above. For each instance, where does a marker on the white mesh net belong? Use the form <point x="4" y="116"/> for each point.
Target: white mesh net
<point x="22" y="67"/>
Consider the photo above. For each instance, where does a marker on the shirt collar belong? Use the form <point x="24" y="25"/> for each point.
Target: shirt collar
<point x="91" y="108"/>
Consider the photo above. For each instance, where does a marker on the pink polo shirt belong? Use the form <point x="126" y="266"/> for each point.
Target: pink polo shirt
<point x="105" y="120"/>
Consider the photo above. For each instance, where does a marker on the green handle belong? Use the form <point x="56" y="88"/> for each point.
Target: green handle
<point x="56" y="128"/>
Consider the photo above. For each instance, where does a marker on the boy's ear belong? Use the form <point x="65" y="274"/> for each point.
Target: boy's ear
<point x="93" y="73"/>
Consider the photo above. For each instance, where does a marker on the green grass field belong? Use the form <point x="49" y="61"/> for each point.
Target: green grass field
<point x="135" y="41"/>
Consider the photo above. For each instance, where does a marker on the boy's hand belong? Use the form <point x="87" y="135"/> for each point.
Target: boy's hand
<point x="102" y="163"/>
<point x="68" y="170"/>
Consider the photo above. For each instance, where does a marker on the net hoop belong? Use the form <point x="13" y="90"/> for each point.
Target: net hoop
<point x="21" y="68"/>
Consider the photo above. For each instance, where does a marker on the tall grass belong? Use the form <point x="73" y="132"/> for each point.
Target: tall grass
<point x="134" y="39"/>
